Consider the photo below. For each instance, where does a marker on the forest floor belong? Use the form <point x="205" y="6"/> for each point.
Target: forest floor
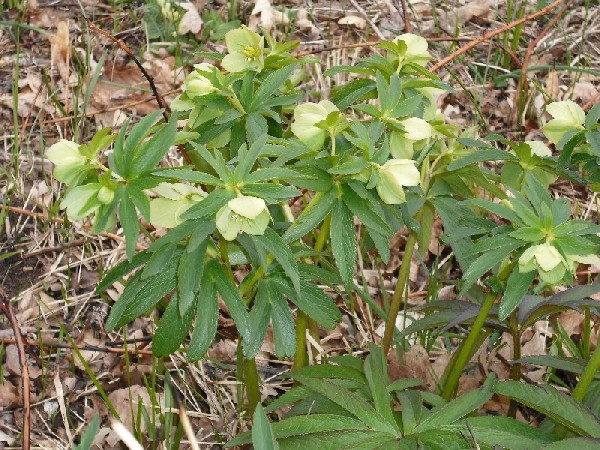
<point x="59" y="79"/>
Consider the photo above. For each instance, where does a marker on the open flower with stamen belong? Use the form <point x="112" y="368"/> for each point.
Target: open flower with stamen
<point x="244" y="214"/>
<point x="567" y="116"/>
<point x="174" y="200"/>
<point x="246" y="51"/>
<point x="393" y="176"/>
<point x="306" y="116"/>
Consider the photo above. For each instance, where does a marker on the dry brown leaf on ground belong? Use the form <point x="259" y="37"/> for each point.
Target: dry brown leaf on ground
<point x="353" y="21"/>
<point x="265" y="16"/>
<point x="191" y="22"/>
<point x="457" y="18"/>
<point x="60" y="50"/>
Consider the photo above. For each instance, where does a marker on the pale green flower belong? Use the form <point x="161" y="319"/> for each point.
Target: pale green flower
<point x="393" y="176"/>
<point x="575" y="260"/>
<point x="416" y="52"/>
<point x="431" y="111"/>
<point x="176" y="198"/>
<point x="84" y="200"/>
<point x="306" y="116"/>
<point x="402" y="144"/>
<point x="539" y="148"/>
<point x="246" y="51"/>
<point x="197" y="84"/>
<point x="67" y="159"/>
<point x="567" y="115"/>
<point x="546" y="259"/>
<point x="243" y="214"/>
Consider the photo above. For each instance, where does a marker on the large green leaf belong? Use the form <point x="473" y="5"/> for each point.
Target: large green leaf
<point x="365" y="212"/>
<point x="129" y="221"/>
<point x="459" y="407"/>
<point x="311" y="216"/>
<point x="350" y="401"/>
<point x="343" y="242"/>
<point x="486" y="154"/>
<point x="517" y="286"/>
<point x="560" y="407"/>
<point x="578" y="443"/>
<point x="375" y="368"/>
<point x="207" y="317"/>
<point x="262" y="432"/>
<point x="122" y="269"/>
<point x="172" y="329"/>
<point x="232" y="298"/>
<point x="151" y="152"/>
<point x="505" y="432"/>
<point x="274" y="244"/>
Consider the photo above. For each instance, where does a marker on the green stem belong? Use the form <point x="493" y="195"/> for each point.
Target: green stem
<point x="467" y="350"/>
<point x="303" y="322"/>
<point x="516" y="367"/>
<point x="390" y="323"/>
<point x="590" y="371"/>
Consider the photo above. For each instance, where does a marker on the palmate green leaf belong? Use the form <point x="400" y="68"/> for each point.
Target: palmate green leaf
<point x="343" y="242"/>
<point x="231" y="297"/>
<point x="139" y="131"/>
<point x="364" y="211"/>
<point x="567" y="364"/>
<point x="122" y="269"/>
<point x="141" y="295"/>
<point x="412" y="410"/>
<point x="517" y="286"/>
<point x="172" y="329"/>
<point x="262" y="432"/>
<point x="271" y="192"/>
<point x="247" y="157"/>
<point x="273" y="243"/>
<point x="350" y="401"/>
<point x="284" y="335"/>
<point x="505" y="432"/>
<point x="271" y="84"/>
<point x="256" y="126"/>
<point x="158" y="260"/>
<point x="260" y="316"/>
<point x="129" y="221"/>
<point x="559" y="407"/>
<point x="214" y="161"/>
<point x="579" y="443"/>
<point x="317" y="305"/>
<point x="188" y="174"/>
<point x="208" y="207"/>
<point x="375" y="368"/>
<point x="207" y="317"/>
<point x="189" y="275"/>
<point x="496" y="208"/>
<point x="270" y="173"/>
<point x="458" y="408"/>
<point x="330" y="371"/>
<point x="485" y="154"/>
<point x="484" y="263"/>
<point x="151" y="152"/>
<point x="349" y="93"/>
<point x="311" y="216"/>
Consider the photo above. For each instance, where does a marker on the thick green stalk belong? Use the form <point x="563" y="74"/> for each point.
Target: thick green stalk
<point x="303" y="322"/>
<point x="467" y="350"/>
<point x="590" y="371"/>
<point x="516" y="367"/>
<point x="390" y="323"/>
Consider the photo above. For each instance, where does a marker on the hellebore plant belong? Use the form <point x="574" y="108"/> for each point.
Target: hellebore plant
<point x="376" y="152"/>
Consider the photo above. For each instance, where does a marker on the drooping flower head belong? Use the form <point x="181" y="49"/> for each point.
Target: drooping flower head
<point x="174" y="200"/>
<point x="402" y="144"/>
<point x="306" y="116"/>
<point x="393" y="176"/>
<point x="81" y="201"/>
<point x="416" y="50"/>
<point x="68" y="161"/>
<point x="244" y="214"/>
<point x="567" y="116"/>
<point x="246" y="51"/>
<point x="546" y="259"/>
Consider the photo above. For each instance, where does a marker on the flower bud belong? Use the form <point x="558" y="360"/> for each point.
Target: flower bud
<point x="196" y="84"/>
<point x="416" y="51"/>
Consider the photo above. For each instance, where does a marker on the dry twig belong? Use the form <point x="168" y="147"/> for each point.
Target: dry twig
<point x="7" y="310"/>
<point x="490" y="34"/>
<point x="366" y="16"/>
<point x="523" y="85"/>
<point x="53" y="343"/>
